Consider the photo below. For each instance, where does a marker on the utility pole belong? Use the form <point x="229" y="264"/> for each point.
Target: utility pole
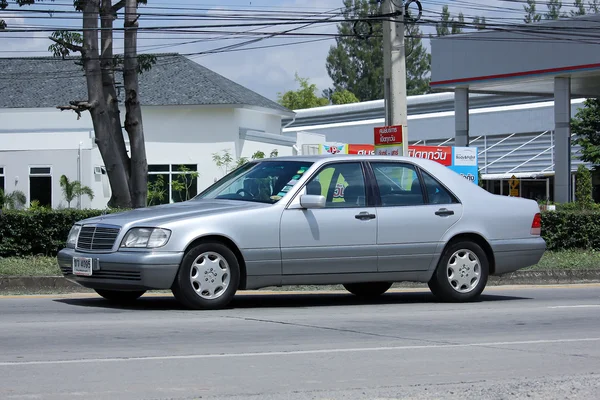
<point x="394" y="69"/>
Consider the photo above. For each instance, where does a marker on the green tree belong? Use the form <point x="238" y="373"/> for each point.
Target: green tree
<point x="305" y="97"/>
<point x="554" y="7"/>
<point x="579" y="8"/>
<point x="355" y="63"/>
<point x="531" y="15"/>
<point x="418" y="62"/>
<point x="594" y="6"/>
<point x="586" y="128"/>
<point x="13" y="200"/>
<point x="583" y="188"/>
<point x="343" y="97"/>
<point x="74" y="189"/>
<point x="127" y="172"/>
<point x="479" y="23"/>
<point x="447" y="24"/>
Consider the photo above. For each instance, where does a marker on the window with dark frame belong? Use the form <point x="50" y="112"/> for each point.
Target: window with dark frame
<point x="40" y="185"/>
<point x="171" y="182"/>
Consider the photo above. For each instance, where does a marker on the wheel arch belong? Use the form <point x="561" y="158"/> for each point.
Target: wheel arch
<point x="224" y="240"/>
<point x="479" y="240"/>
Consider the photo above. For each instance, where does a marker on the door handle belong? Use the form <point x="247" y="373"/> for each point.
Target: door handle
<point x="364" y="216"/>
<point x="443" y="212"/>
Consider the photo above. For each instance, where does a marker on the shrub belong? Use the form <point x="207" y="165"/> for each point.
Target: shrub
<point x="571" y="229"/>
<point x="583" y="188"/>
<point x="38" y="232"/>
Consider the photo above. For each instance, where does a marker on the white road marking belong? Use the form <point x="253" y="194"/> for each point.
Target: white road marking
<point x="579" y="306"/>
<point x="296" y="352"/>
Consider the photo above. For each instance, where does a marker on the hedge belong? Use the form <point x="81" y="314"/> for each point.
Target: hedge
<point x="565" y="230"/>
<point x="38" y="232"/>
<point x="44" y="232"/>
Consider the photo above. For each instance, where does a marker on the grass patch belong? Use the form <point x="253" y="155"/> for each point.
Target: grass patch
<point x="47" y="266"/>
<point x="568" y="259"/>
<point x="29" y="266"/>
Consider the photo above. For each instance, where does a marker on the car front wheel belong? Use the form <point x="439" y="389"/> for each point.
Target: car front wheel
<point x="462" y="273"/>
<point x="208" y="277"/>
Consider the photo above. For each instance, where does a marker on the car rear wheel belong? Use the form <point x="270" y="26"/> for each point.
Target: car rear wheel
<point x="368" y="289"/>
<point x="208" y="277"/>
<point x="120" y="296"/>
<point x="462" y="273"/>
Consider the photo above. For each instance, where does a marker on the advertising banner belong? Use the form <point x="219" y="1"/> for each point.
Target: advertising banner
<point x="388" y="140"/>
<point x="462" y="160"/>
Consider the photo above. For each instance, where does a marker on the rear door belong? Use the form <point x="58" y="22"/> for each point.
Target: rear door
<point x="414" y="213"/>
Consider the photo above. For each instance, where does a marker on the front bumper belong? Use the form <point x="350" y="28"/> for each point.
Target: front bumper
<point x="124" y="270"/>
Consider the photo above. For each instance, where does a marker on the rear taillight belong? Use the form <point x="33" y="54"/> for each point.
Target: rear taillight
<point x="536" y="225"/>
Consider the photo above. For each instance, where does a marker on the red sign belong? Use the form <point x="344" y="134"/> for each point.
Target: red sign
<point x="361" y="149"/>
<point x="388" y="135"/>
<point x="441" y="154"/>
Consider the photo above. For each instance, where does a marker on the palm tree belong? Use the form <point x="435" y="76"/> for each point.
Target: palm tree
<point x="73" y="189"/>
<point x="13" y="200"/>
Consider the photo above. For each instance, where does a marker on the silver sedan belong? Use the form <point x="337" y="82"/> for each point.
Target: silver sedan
<point x="361" y="221"/>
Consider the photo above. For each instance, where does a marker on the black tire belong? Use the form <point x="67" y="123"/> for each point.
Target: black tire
<point x="184" y="290"/>
<point x="120" y="296"/>
<point x="440" y="284"/>
<point x="368" y="289"/>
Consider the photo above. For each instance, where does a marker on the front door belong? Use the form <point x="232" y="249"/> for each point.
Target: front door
<point x="415" y="213"/>
<point x="340" y="238"/>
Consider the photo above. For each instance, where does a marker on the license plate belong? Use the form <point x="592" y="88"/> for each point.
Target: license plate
<point x="82" y="266"/>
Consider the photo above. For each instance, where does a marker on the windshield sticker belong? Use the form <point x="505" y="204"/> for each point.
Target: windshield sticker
<point x="276" y="198"/>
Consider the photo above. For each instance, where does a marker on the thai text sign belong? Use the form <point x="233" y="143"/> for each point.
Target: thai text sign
<point x="388" y="140"/>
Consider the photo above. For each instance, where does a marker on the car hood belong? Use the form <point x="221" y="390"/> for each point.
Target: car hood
<point x="172" y="212"/>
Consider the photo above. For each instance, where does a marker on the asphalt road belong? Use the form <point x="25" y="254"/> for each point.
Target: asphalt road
<point x="517" y="342"/>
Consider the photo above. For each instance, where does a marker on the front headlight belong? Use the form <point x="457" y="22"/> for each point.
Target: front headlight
<point x="73" y="235"/>
<point x="149" y="238"/>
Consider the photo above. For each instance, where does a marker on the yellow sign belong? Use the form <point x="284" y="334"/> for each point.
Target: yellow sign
<point x="513" y="185"/>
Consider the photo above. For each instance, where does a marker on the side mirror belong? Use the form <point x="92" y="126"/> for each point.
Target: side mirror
<point x="312" y="201"/>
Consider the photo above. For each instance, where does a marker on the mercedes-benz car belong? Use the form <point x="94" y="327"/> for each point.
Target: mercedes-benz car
<point x="364" y="222"/>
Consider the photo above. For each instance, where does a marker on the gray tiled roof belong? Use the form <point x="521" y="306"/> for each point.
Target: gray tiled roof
<point x="39" y="82"/>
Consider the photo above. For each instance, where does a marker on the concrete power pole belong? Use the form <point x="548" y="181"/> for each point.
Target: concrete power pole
<point x="394" y="66"/>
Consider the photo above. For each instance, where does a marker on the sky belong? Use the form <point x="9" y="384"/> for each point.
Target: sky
<point x="268" y="71"/>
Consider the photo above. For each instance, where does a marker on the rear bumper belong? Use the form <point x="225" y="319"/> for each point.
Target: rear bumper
<point x="124" y="270"/>
<point x="512" y="255"/>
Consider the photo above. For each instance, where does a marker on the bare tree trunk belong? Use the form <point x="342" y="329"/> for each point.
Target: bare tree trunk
<point x="133" y="116"/>
<point x="107" y="17"/>
<point x="97" y="106"/>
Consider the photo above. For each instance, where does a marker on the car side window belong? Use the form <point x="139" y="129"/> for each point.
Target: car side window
<point x="399" y="184"/>
<point x="436" y="192"/>
<point x="342" y="184"/>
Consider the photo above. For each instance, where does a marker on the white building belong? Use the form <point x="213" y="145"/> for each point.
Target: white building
<point x="189" y="113"/>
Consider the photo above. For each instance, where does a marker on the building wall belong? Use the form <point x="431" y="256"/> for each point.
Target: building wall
<point x="174" y="136"/>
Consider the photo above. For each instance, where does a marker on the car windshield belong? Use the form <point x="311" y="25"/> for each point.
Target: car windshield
<point x="261" y="181"/>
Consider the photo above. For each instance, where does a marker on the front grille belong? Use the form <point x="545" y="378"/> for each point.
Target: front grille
<point x="97" y="238"/>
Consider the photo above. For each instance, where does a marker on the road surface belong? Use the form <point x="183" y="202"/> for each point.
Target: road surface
<point x="517" y="342"/>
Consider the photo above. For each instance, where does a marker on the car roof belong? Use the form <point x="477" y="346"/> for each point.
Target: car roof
<point x="340" y="157"/>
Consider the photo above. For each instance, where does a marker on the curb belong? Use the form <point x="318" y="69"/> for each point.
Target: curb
<point x="534" y="277"/>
